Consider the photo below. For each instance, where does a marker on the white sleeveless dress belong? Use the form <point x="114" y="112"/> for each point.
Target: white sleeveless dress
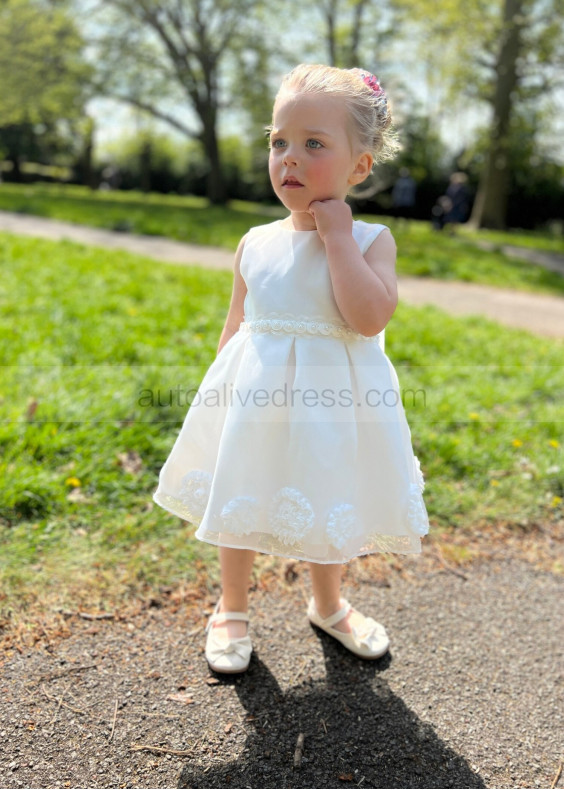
<point x="296" y="443"/>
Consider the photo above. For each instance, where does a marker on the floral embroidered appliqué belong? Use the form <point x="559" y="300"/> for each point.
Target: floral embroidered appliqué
<point x="291" y="515"/>
<point x="195" y="491"/>
<point x="416" y="512"/>
<point x="341" y="524"/>
<point x="240" y="515"/>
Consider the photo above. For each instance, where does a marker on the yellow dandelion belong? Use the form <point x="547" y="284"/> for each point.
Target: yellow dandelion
<point x="554" y="443"/>
<point x="132" y="311"/>
<point x="517" y="443"/>
<point x="556" y="500"/>
<point x="474" y="415"/>
<point x="494" y="482"/>
<point x="73" y="481"/>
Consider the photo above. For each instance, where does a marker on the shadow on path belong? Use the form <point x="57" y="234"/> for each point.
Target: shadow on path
<point x="357" y="733"/>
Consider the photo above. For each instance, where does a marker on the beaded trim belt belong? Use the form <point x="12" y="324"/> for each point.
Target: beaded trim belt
<point x="286" y="326"/>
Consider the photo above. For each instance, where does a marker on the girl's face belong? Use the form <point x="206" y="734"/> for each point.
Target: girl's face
<point x="312" y="153"/>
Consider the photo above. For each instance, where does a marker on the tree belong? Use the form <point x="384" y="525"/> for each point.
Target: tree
<point x="490" y="205"/>
<point x="505" y="54"/>
<point x="352" y="28"/>
<point x="165" y="57"/>
<point x="42" y="71"/>
<point x="43" y="74"/>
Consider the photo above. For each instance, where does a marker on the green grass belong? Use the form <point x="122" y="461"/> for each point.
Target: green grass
<point x="85" y="333"/>
<point x="519" y="238"/>
<point x="422" y="251"/>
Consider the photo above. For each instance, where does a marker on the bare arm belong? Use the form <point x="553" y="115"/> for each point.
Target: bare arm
<point x="365" y="287"/>
<point x="236" y="310"/>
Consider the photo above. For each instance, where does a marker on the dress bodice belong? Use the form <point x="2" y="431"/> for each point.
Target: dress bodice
<point x="287" y="274"/>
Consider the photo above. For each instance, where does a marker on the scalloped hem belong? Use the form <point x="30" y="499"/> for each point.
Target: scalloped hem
<point x="380" y="544"/>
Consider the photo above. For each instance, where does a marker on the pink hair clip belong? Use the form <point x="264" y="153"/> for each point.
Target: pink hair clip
<point x="372" y="82"/>
<point x="369" y="79"/>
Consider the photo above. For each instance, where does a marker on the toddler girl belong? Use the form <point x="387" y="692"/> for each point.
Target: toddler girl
<point x="296" y="443"/>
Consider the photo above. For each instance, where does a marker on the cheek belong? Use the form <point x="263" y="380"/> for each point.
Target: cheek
<point x="320" y="171"/>
<point x="271" y="166"/>
<point x="273" y="162"/>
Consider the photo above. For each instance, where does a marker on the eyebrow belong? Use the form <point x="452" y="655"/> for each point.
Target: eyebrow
<point x="313" y="132"/>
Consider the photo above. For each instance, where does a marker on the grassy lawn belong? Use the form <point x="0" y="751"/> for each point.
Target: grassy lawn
<point x="422" y="251"/>
<point x="87" y="333"/>
<point x="519" y="238"/>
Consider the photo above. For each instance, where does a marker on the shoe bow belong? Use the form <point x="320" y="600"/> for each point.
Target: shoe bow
<point x="372" y="634"/>
<point x="241" y="647"/>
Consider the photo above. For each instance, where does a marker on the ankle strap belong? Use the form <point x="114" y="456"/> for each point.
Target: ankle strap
<point x="225" y="616"/>
<point x="334" y="618"/>
<point x="229" y="616"/>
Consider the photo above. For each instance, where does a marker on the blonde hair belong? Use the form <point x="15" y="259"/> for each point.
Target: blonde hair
<point x="368" y="109"/>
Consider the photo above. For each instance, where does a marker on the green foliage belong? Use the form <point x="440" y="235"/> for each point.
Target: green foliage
<point x="166" y="153"/>
<point x="460" y="45"/>
<point x="423" y="150"/>
<point x="42" y="70"/>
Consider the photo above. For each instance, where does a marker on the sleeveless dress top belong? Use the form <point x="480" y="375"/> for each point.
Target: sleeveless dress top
<point x="296" y="443"/>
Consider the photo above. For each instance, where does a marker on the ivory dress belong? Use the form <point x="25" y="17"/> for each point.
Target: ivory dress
<point x="297" y="443"/>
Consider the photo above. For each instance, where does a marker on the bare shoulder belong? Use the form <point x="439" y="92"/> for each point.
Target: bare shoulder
<point x="383" y="248"/>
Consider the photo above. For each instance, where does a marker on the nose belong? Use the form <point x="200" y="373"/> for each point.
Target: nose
<point x="290" y="156"/>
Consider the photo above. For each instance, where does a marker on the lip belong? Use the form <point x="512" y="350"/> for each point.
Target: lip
<point x="290" y="182"/>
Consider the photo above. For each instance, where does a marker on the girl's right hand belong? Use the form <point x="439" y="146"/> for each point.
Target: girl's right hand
<point x="331" y="217"/>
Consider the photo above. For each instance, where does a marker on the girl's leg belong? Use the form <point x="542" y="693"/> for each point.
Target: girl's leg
<point x="236" y="566"/>
<point x="326" y="585"/>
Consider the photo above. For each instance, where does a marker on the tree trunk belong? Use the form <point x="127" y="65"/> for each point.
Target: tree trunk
<point x="216" y="187"/>
<point x="84" y="167"/>
<point x="490" y="206"/>
<point x="330" y="18"/>
<point x="354" y="57"/>
<point x="16" y="174"/>
<point x="145" y="157"/>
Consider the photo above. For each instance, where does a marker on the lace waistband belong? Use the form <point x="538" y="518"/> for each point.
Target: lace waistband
<point x="292" y="327"/>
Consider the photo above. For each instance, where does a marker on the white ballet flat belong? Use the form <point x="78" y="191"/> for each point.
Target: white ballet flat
<point x="227" y="655"/>
<point x="367" y="641"/>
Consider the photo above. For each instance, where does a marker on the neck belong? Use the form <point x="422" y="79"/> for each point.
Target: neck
<point x="301" y="220"/>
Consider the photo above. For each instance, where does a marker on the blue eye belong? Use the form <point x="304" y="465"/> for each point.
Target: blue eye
<point x="278" y="143"/>
<point x="313" y="144"/>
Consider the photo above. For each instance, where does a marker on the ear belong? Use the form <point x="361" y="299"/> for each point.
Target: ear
<point x="362" y="168"/>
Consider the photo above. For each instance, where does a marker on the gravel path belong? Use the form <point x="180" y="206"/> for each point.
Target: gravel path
<point x="471" y="694"/>
<point x="541" y="314"/>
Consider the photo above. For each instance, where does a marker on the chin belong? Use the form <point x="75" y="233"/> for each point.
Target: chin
<point x="296" y="206"/>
